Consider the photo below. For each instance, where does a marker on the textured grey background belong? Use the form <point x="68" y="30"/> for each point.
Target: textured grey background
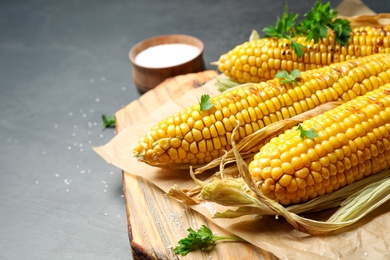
<point x="62" y="65"/>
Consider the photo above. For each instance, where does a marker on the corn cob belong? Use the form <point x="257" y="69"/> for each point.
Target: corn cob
<point x="194" y="137"/>
<point x="353" y="142"/>
<point x="261" y="59"/>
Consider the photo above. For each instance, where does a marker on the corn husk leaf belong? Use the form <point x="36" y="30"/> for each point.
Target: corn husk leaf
<point x="356" y="206"/>
<point x="254" y="36"/>
<point x="225" y="84"/>
<point x="242" y="197"/>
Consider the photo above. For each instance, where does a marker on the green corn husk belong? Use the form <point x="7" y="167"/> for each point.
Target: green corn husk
<point x="225" y="84"/>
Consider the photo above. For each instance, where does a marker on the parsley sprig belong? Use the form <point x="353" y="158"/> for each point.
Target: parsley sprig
<point x="284" y="28"/>
<point x="108" y="121"/>
<point x="203" y="239"/>
<point x="315" y="26"/>
<point x="205" y="103"/>
<point x="308" y="133"/>
<point x="319" y="19"/>
<point x="288" y="78"/>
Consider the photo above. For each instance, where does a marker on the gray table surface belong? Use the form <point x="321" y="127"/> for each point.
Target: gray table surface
<point x="62" y="65"/>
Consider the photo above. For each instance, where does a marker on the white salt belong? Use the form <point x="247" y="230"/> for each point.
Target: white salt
<point x="166" y="55"/>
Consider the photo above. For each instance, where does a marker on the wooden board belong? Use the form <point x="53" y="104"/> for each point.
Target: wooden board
<point x="155" y="221"/>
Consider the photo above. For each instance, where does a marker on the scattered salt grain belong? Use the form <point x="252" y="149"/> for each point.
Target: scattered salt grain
<point x="365" y="254"/>
<point x="105" y="213"/>
<point x="123" y="88"/>
<point x="43" y="152"/>
<point x="91" y="80"/>
<point x="73" y="134"/>
<point x="36" y="182"/>
<point x="67" y="190"/>
<point x="70" y="113"/>
<point x="69" y="147"/>
<point x="103" y="78"/>
<point x="166" y="55"/>
<point x="55" y="126"/>
<point x="97" y="100"/>
<point x="67" y="181"/>
<point x="84" y="115"/>
<point x="82" y="171"/>
<point x="209" y="206"/>
<point x="57" y="175"/>
<point x="118" y="216"/>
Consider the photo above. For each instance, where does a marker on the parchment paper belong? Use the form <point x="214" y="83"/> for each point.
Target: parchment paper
<point x="369" y="239"/>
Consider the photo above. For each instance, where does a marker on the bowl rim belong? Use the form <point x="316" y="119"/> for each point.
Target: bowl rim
<point x="165" y="39"/>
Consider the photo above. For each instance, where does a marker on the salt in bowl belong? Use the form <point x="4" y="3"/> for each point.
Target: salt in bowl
<point x="158" y="58"/>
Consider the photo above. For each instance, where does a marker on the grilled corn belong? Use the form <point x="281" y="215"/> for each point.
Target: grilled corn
<point x="352" y="142"/>
<point x="261" y="59"/>
<point x="194" y="137"/>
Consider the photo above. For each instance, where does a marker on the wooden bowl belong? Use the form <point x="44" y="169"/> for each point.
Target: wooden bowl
<point x="146" y="78"/>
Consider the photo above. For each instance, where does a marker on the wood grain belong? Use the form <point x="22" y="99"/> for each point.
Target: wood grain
<point x="157" y="222"/>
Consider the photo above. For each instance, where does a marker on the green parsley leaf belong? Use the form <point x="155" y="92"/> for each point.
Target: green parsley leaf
<point x="315" y="26"/>
<point x="343" y="30"/>
<point x="108" y="121"/>
<point x="306" y="133"/>
<point x="298" y="48"/>
<point x="203" y="239"/>
<point x="284" y="28"/>
<point x="295" y="74"/>
<point x="283" y="25"/>
<point x="319" y="19"/>
<point x="286" y="78"/>
<point x="205" y="103"/>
